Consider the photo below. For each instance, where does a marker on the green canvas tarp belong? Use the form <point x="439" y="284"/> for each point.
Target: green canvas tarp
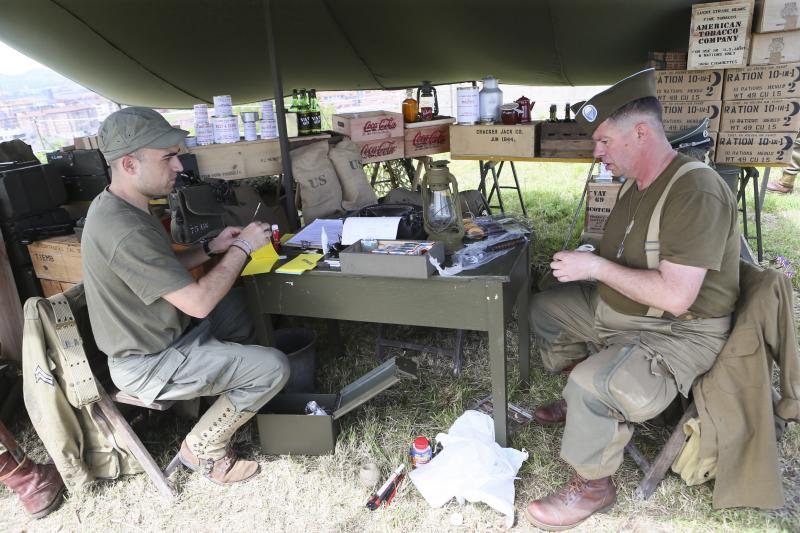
<point x="176" y="53"/>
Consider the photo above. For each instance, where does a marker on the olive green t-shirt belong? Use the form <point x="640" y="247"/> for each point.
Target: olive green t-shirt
<point x="699" y="228"/>
<point x="128" y="265"/>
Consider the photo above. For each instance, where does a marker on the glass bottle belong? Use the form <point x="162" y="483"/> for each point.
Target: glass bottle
<point x="567" y="111"/>
<point x="316" y="114"/>
<point x="303" y="114"/>
<point x="553" y="117"/>
<point x="410" y="107"/>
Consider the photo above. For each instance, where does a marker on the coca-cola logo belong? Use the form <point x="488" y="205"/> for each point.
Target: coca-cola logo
<point x="378" y="150"/>
<point x="422" y="140"/>
<point x="384" y="124"/>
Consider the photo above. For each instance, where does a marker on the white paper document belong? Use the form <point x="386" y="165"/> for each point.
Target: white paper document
<point x="311" y="235"/>
<point x="356" y="228"/>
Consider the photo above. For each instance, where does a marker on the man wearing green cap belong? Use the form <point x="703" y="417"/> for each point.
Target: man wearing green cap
<point x="167" y="336"/>
<point x="651" y="309"/>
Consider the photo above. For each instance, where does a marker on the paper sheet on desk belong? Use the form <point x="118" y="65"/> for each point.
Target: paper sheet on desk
<point x="311" y="235"/>
<point x="356" y="228"/>
<point x="261" y="261"/>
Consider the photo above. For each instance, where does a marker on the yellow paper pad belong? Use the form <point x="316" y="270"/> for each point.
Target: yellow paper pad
<point x="300" y="264"/>
<point x="261" y="261"/>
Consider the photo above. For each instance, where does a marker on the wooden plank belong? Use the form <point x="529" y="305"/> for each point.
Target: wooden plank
<point x="11" y="323"/>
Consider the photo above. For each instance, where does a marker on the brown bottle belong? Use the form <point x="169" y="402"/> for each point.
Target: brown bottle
<point x="410" y="107"/>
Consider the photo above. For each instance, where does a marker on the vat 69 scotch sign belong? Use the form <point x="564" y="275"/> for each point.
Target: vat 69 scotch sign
<point x="720" y="34"/>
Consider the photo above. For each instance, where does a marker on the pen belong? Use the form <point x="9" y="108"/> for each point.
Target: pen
<point x="256" y="213"/>
<point x="387" y="490"/>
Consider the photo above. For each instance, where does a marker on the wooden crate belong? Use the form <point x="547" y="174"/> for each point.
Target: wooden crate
<point x="678" y="116"/>
<point x="689" y="86"/>
<point x="496" y="140"/>
<point x="600" y="200"/>
<point x="51" y="287"/>
<point x="719" y="34"/>
<point x="429" y="137"/>
<point x="57" y="258"/>
<point x="563" y="139"/>
<point x="775" y="48"/>
<point x="769" y="114"/>
<point x="740" y="148"/>
<point x="777" y="15"/>
<point x="762" y="81"/>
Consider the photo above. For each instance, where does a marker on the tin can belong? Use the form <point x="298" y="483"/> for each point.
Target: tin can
<point x="267" y="111"/>
<point x="468" y="105"/>
<point x="204" y="134"/>
<point x="200" y="113"/>
<point x="226" y="129"/>
<point x="269" y="128"/>
<point x="223" y="105"/>
<point x="190" y="141"/>
<point x="421" y="452"/>
<point x="250" y="131"/>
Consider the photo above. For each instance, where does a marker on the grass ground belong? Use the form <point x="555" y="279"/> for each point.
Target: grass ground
<point x="321" y="494"/>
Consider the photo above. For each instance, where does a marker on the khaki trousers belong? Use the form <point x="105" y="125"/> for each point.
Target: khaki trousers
<point x="790" y="172"/>
<point x="208" y="360"/>
<point x="636" y="367"/>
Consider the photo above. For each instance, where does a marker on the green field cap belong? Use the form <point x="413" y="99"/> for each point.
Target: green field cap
<point x="127" y="130"/>
<point x="602" y="105"/>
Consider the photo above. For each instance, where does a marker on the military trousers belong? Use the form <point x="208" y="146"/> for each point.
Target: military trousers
<point x="214" y="357"/>
<point x="790" y="173"/>
<point x="632" y="368"/>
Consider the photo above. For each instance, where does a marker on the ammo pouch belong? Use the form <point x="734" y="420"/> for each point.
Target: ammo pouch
<point x="203" y="210"/>
<point x="411" y="223"/>
<point x="196" y="213"/>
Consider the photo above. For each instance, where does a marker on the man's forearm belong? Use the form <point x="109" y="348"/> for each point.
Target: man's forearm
<point x="648" y="287"/>
<point x="192" y="257"/>
<point x="216" y="283"/>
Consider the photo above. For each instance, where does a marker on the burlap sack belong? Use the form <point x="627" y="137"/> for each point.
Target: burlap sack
<point x="356" y="190"/>
<point x="317" y="184"/>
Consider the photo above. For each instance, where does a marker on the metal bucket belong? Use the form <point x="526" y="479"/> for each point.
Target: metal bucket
<point x="299" y="346"/>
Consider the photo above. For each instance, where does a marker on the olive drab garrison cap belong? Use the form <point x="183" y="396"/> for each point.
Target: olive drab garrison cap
<point x="127" y="130"/>
<point x="593" y="112"/>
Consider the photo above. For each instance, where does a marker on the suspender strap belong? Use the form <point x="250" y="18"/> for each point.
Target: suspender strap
<point x="652" y="247"/>
<point x="77" y="374"/>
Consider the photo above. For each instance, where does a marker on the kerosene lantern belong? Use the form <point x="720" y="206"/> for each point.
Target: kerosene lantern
<point x="442" y="206"/>
<point x="428" y="101"/>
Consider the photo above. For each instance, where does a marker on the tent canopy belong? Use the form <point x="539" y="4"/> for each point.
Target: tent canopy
<point x="176" y="53"/>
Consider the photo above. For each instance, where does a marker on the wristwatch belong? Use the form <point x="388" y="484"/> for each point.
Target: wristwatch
<point x="207" y="248"/>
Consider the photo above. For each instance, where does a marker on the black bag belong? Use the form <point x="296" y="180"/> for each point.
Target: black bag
<point x="411" y="223"/>
<point x="30" y="190"/>
<point x="79" y="163"/>
<point x="203" y="210"/>
<point x="21" y="232"/>
<point x="84" y="188"/>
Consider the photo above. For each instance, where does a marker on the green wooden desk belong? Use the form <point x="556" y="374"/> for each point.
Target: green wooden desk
<point x="482" y="300"/>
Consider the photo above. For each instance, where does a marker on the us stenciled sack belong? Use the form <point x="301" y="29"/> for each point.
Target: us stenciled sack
<point x="317" y="183"/>
<point x="196" y="213"/>
<point x="356" y="190"/>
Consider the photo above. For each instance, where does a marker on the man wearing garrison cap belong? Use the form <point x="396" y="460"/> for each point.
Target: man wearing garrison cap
<point x="648" y="313"/>
<point x="168" y="336"/>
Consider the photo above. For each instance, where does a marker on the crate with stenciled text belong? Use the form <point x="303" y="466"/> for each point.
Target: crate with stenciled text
<point x="498" y="140"/>
<point x="600" y="200"/>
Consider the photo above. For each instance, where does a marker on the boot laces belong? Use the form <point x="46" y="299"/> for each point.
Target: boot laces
<point x="572" y="490"/>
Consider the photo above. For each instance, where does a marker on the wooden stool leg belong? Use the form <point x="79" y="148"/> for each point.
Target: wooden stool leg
<point x="135" y="445"/>
<point x="658" y="469"/>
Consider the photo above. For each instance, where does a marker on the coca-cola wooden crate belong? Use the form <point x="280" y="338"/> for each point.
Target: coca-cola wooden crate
<point x="381" y="150"/>
<point x="429" y="137"/>
<point x="369" y="125"/>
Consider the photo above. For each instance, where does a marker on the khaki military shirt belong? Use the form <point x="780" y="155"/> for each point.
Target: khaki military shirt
<point x="699" y="228"/>
<point x="128" y="265"/>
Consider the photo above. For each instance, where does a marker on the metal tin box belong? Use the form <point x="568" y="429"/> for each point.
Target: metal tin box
<point x="284" y="428"/>
<point x="356" y="260"/>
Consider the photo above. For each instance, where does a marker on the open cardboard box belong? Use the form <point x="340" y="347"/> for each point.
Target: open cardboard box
<point x="284" y="428"/>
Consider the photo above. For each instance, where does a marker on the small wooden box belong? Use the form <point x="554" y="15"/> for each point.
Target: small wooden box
<point x="57" y="258"/>
<point x="775" y="48"/>
<point x="564" y="139"/>
<point x="601" y="198"/>
<point x="496" y="140"/>
<point x="51" y="287"/>
<point x="381" y="150"/>
<point x="777" y="15"/>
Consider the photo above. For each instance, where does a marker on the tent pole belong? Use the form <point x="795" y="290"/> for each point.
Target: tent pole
<point x="283" y="139"/>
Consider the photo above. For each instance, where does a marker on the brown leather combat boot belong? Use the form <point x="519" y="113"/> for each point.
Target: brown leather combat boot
<point x="572" y="504"/>
<point x="39" y="487"/>
<point x="229" y="469"/>
<point x="552" y="413"/>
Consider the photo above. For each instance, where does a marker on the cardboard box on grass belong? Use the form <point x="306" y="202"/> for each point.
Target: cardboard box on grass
<point x="284" y="428"/>
<point x="355" y="260"/>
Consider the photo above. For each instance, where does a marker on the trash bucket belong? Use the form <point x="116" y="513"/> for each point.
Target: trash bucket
<point x="730" y="175"/>
<point x="298" y="344"/>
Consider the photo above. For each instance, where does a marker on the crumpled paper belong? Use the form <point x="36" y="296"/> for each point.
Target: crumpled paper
<point x="471" y="467"/>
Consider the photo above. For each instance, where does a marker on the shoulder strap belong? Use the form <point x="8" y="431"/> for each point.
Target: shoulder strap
<point x="625" y="186"/>
<point x="80" y="387"/>
<point x="652" y="247"/>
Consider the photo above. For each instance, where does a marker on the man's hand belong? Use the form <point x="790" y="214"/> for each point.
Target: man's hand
<point x="222" y="242"/>
<point x="257" y="234"/>
<point x="575" y="266"/>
